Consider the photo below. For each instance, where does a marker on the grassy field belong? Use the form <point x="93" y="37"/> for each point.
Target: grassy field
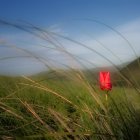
<point x="67" y="106"/>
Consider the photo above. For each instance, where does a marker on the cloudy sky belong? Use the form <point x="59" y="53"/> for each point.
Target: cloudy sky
<point x="39" y="34"/>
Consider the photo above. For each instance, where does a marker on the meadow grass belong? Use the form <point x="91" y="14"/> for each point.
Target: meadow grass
<point x="31" y="110"/>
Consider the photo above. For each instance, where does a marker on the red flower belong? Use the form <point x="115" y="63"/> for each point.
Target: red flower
<point x="105" y="82"/>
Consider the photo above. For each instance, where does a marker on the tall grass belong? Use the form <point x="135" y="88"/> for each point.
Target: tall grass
<point x="66" y="103"/>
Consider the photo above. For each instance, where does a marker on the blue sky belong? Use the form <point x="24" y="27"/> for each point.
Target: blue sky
<point x="45" y="12"/>
<point x="68" y="18"/>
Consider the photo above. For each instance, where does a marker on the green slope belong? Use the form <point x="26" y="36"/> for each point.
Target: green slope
<point x="130" y="71"/>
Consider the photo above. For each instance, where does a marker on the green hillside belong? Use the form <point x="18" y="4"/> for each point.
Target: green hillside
<point x="128" y="75"/>
<point x="132" y="70"/>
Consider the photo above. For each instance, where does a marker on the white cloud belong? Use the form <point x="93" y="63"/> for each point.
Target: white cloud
<point x="110" y="45"/>
<point x="114" y="46"/>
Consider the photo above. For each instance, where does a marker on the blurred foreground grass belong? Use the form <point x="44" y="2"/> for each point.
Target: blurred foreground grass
<point x="67" y="104"/>
<point x="66" y="107"/>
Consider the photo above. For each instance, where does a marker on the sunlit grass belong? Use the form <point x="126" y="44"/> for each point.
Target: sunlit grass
<point x="31" y="112"/>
